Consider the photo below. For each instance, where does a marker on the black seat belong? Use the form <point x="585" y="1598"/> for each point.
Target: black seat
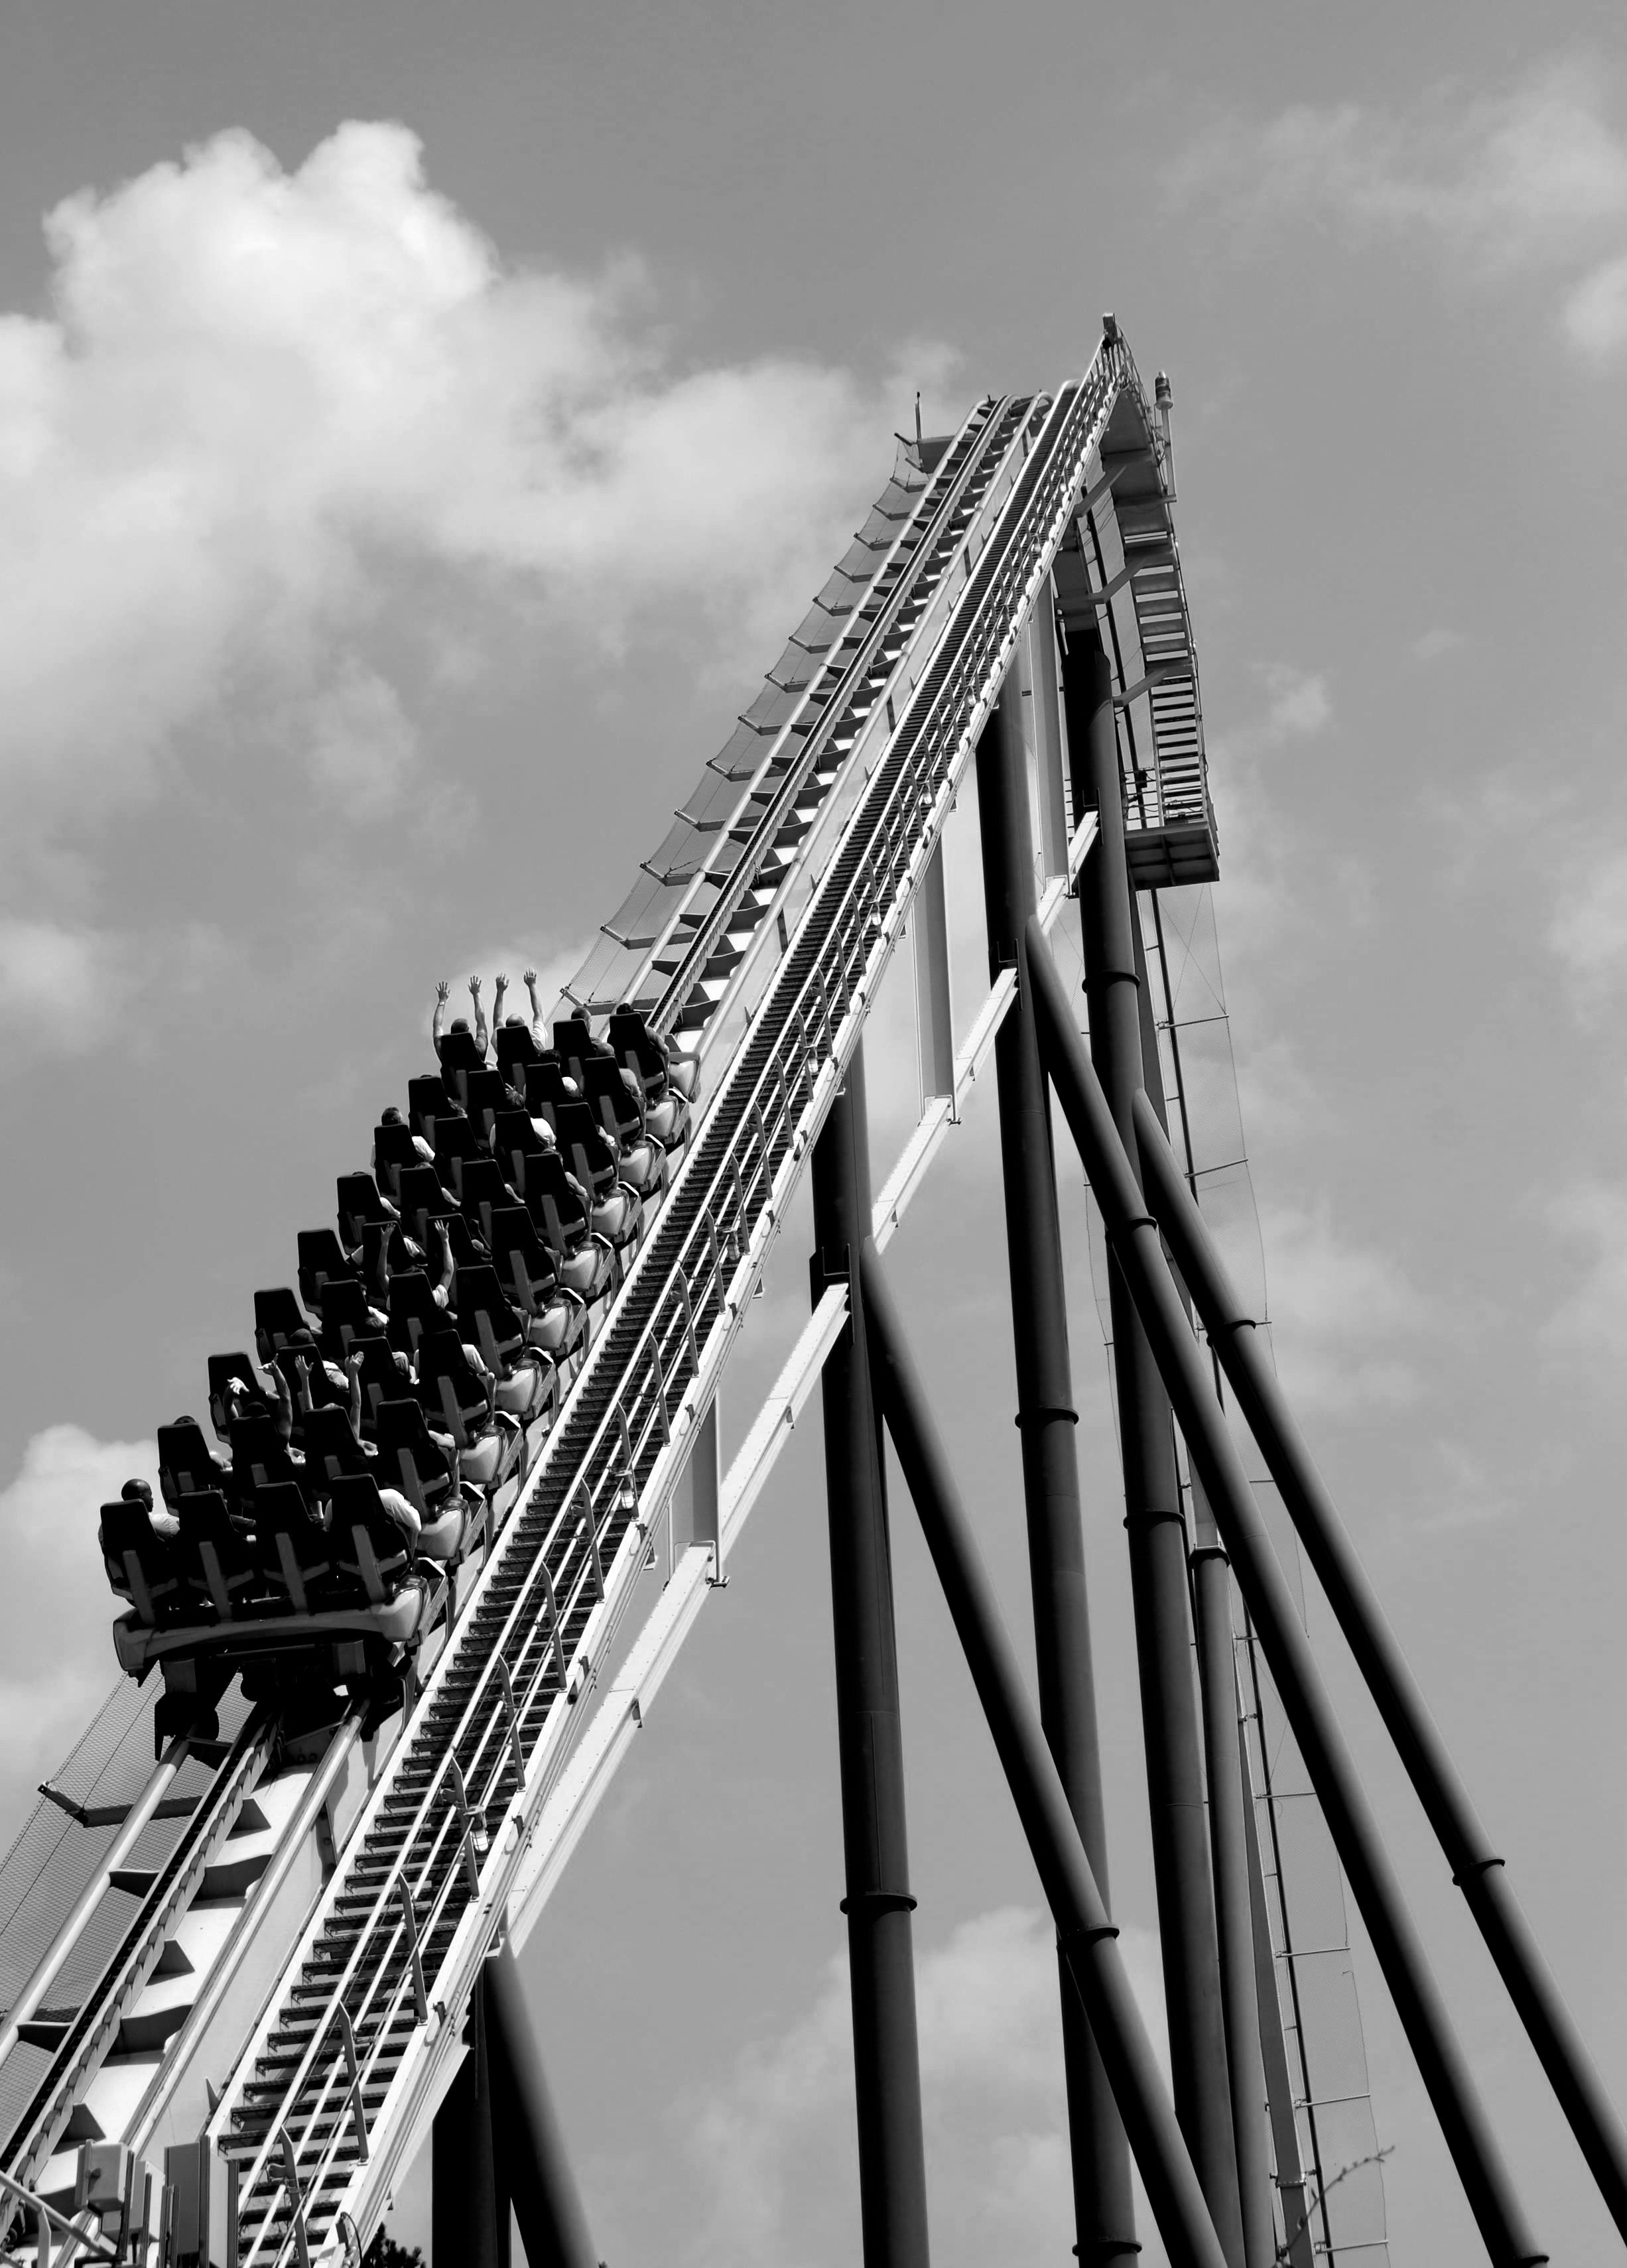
<point x="409" y="1460"/>
<point x="585" y="1144"/>
<point x="222" y="1367"/>
<point x="547" y="1089"/>
<point x="260" y="1455"/>
<point x="368" y="1549"/>
<point x="394" y="1149"/>
<point x="331" y="1447"/>
<point x="414" y="1310"/>
<point x="488" y="1318"/>
<point x="457" y="1140"/>
<point x="426" y="1100"/>
<point x="359" y="1202"/>
<point x="574" y="1044"/>
<point x="483" y="1188"/>
<point x="424" y="1198"/>
<point x="295" y="1558"/>
<point x="514" y="1138"/>
<point x="606" y="1092"/>
<point x="557" y="1205"/>
<point x="515" y="1045"/>
<point x="459" y="1055"/>
<point x="448" y="1390"/>
<point x="279" y="1318"/>
<point x="186" y="1465"/>
<point x="379" y="1377"/>
<point x="485" y="1093"/>
<point x="344" y="1316"/>
<point x="636" y="1048"/>
<point x="224" y="1574"/>
<point x="142" y="1567"/>
<point x="322" y="1258"/>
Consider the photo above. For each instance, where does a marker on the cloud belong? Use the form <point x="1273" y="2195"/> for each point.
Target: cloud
<point x="1589" y="1326"/>
<point x="776" y="2141"/>
<point x="1533" y="179"/>
<point x="1435" y="644"/>
<point x="271" y="410"/>
<point x="1340" y="1313"/>
<point x="59" y="1660"/>
<point x="60" y="988"/>
<point x="1588" y="933"/>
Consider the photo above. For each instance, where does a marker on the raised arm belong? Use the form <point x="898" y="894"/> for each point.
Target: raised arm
<point x="353" y="1366"/>
<point x="439" y="1016"/>
<point x="284" y="1412"/>
<point x="537" y="1032"/>
<point x="479" y="1014"/>
<point x="499" y="993"/>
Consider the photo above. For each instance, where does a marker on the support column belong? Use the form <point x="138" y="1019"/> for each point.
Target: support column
<point x="469" y="2222"/>
<point x="1154" y="1521"/>
<point x="892" y="2165"/>
<point x="1223" y="1758"/>
<point x="1103" y="2207"/>
<point x="534" y="2166"/>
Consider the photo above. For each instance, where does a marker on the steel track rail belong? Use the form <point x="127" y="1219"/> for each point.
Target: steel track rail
<point x="616" y="1435"/>
<point x="167" y="1896"/>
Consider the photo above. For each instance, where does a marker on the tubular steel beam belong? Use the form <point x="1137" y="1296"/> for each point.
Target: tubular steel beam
<point x="1223" y="1768"/>
<point x="1154" y="1521"/>
<point x="1103" y="2206"/>
<point x="468" y="2218"/>
<point x="1476" y="1868"/>
<point x="534" y="2167"/>
<point x="1088" y="1935"/>
<point x="1133" y="1238"/>
<point x="892" y="2161"/>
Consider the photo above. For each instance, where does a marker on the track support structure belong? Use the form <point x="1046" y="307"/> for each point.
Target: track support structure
<point x="1133" y="1238"/>
<point x="498" y="2147"/>
<point x="892" y="2159"/>
<point x="1153" y="1518"/>
<point x="1088" y="1937"/>
<point x="1104" y="2205"/>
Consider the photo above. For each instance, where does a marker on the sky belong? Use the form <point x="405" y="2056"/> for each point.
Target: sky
<point x="416" y="430"/>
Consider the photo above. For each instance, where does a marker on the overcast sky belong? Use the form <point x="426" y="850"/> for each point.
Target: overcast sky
<point x="417" y="426"/>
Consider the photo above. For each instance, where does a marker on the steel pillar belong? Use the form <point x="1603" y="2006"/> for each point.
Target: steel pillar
<point x="534" y="2168"/>
<point x="1153" y="1519"/>
<point x="1083" y="1926"/>
<point x="892" y="2164"/>
<point x="1133" y="1238"/>
<point x="1477" y="1867"/>
<point x="1223" y="1764"/>
<point x="468" y="2218"/>
<point x="1103" y="2206"/>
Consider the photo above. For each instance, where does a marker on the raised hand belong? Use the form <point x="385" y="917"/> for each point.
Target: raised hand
<point x="531" y="979"/>
<point x="443" y="989"/>
<point x="474" y="987"/>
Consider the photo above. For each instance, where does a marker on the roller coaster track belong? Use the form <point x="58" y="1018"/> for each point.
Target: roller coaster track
<point x="823" y="815"/>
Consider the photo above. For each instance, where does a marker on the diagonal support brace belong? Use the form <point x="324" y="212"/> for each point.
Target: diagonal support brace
<point x="1087" y="1937"/>
<point x="1133" y="1238"/>
<point x="1477" y="1869"/>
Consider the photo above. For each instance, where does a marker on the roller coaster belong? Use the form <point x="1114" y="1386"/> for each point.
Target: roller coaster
<point x="385" y="1649"/>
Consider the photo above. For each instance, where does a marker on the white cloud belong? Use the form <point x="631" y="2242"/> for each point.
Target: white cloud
<point x="1299" y="704"/>
<point x="264" y="400"/>
<point x="776" y="2144"/>
<point x="1533" y="179"/>
<point x="60" y="988"/>
<point x="1588" y="933"/>
<point x="1435" y="644"/>
<point x="59" y="1662"/>
<point x="1342" y="1314"/>
<point x="1588" y="1328"/>
<point x="1595" y="313"/>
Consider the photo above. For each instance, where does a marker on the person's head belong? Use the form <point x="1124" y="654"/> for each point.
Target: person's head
<point x="184" y="1419"/>
<point x="515" y="1023"/>
<point x="137" y="1492"/>
<point x="300" y="1342"/>
<point x="460" y="1024"/>
<point x="389" y="1116"/>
